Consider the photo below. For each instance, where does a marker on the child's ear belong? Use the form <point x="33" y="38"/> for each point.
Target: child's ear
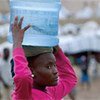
<point x="33" y="73"/>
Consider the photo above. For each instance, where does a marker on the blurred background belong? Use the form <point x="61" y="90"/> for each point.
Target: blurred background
<point x="79" y="34"/>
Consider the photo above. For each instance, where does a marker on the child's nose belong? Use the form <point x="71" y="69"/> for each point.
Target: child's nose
<point x="55" y="71"/>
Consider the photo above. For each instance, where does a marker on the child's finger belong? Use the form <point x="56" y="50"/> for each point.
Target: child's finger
<point x="16" y="21"/>
<point x="20" y="22"/>
<point x="27" y="27"/>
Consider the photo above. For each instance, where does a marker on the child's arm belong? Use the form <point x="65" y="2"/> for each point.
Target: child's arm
<point x="22" y="79"/>
<point x="67" y="76"/>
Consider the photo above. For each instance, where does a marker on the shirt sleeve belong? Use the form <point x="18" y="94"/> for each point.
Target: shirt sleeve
<point x="22" y="79"/>
<point x="67" y="76"/>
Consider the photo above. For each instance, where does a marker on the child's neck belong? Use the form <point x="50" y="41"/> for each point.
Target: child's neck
<point x="41" y="88"/>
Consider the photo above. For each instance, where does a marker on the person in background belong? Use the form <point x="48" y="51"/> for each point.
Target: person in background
<point x="5" y="75"/>
<point x="46" y="76"/>
<point x="84" y="66"/>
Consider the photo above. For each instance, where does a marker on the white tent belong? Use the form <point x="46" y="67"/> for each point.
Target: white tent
<point x="64" y="13"/>
<point x="80" y="43"/>
<point x="89" y="27"/>
<point x="69" y="28"/>
<point x="84" y="13"/>
<point x="98" y="10"/>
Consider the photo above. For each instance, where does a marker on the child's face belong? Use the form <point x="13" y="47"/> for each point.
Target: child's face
<point x="45" y="70"/>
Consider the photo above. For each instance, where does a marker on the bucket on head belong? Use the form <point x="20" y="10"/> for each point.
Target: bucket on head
<point x="42" y="15"/>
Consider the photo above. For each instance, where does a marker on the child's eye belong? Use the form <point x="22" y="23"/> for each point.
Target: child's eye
<point x="49" y="66"/>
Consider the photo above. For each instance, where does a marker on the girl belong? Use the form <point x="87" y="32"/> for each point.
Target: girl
<point x="46" y="76"/>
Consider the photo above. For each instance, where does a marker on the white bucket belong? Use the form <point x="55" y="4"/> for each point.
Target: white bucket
<point x="43" y="15"/>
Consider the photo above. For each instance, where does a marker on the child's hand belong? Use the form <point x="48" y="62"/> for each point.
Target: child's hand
<point x="18" y="32"/>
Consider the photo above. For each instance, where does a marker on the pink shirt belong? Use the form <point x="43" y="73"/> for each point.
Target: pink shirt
<point x="23" y="81"/>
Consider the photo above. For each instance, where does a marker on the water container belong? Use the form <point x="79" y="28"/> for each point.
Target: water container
<point x="43" y="15"/>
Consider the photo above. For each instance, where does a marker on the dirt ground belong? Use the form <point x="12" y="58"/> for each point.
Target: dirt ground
<point x="86" y="93"/>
